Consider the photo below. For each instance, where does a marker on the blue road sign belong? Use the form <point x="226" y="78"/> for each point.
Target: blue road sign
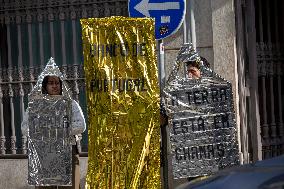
<point x="168" y="14"/>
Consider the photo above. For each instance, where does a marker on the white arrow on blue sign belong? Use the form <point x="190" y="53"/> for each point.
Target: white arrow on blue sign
<point x="168" y="14"/>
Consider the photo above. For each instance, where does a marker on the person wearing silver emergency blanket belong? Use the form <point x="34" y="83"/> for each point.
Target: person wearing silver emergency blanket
<point x="52" y="122"/>
<point x="193" y="62"/>
<point x="198" y="107"/>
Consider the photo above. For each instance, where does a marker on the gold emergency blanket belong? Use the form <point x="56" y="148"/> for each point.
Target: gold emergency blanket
<point x="123" y="103"/>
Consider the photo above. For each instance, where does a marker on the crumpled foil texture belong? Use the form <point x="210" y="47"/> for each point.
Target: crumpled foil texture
<point x="201" y="115"/>
<point x="49" y="141"/>
<point x="123" y="103"/>
<point x="50" y="152"/>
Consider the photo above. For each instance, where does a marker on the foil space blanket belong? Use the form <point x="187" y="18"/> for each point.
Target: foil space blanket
<point x="203" y="134"/>
<point x="50" y="150"/>
<point x="123" y="103"/>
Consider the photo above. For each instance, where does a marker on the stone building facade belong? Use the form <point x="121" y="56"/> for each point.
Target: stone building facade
<point x="240" y="38"/>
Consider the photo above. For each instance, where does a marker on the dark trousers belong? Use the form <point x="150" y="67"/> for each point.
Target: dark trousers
<point x="75" y="173"/>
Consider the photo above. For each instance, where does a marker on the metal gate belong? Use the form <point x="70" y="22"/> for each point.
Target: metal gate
<point x="270" y="66"/>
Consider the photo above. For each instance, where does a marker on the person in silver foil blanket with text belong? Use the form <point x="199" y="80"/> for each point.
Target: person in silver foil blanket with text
<point x="192" y="63"/>
<point x="197" y="107"/>
<point x="51" y="123"/>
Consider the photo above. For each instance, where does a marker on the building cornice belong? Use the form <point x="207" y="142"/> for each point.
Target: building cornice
<point x="25" y="11"/>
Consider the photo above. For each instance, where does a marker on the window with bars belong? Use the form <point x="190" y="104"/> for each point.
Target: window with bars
<point x="19" y="71"/>
<point x="270" y="60"/>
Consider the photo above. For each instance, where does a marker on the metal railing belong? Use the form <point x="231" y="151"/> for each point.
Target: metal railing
<point x="32" y="32"/>
<point x="271" y="78"/>
<point x="270" y="59"/>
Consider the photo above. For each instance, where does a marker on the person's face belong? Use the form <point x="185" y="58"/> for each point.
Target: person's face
<point x="53" y="86"/>
<point x="193" y="72"/>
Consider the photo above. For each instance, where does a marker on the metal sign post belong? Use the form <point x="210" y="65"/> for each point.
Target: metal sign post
<point x="164" y="130"/>
<point x="169" y="16"/>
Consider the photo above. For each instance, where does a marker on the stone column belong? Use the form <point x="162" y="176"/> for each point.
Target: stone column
<point x="224" y="47"/>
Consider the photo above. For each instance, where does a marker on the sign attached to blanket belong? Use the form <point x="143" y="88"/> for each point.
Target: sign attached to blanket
<point x="50" y="149"/>
<point x="202" y="121"/>
<point x="123" y="102"/>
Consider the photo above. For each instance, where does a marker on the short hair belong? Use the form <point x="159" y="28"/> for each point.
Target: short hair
<point x="196" y="63"/>
<point x="44" y="84"/>
<point x="193" y="63"/>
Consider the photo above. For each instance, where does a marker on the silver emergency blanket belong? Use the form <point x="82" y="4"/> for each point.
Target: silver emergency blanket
<point x="50" y="152"/>
<point x="49" y="141"/>
<point x="201" y="119"/>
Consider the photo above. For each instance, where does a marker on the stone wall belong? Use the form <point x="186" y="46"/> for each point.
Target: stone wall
<point x="13" y="174"/>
